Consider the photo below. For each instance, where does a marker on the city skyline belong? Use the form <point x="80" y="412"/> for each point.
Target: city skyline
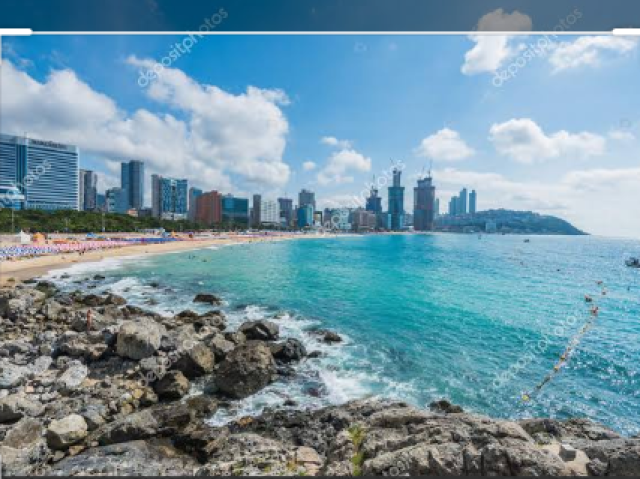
<point x="577" y="162"/>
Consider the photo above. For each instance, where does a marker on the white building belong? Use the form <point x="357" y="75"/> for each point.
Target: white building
<point x="269" y="212"/>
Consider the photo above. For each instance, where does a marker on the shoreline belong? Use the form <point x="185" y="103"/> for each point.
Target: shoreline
<point x="13" y="272"/>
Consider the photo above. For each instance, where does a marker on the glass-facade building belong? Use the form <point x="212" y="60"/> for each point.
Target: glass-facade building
<point x="396" y="202"/>
<point x="235" y="209"/>
<point x="174" y="197"/>
<point x="132" y="182"/>
<point x="45" y="173"/>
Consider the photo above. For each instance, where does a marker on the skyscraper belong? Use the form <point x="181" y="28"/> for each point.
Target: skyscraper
<point x="209" y="208"/>
<point x="235" y="210"/>
<point x="473" y="198"/>
<point x="132" y="182"/>
<point x="307" y="197"/>
<point x="462" y="202"/>
<point x="156" y="209"/>
<point x="453" y="206"/>
<point x="374" y="202"/>
<point x="256" y="220"/>
<point x="88" y="186"/>
<point x="305" y="216"/>
<point x="269" y="212"/>
<point x="396" y="201"/>
<point x="286" y="211"/>
<point x="173" y="198"/>
<point x="43" y="174"/>
<point x="436" y="208"/>
<point x="194" y="193"/>
<point x="424" y="196"/>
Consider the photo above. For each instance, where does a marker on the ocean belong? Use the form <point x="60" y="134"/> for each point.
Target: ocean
<point x="480" y="321"/>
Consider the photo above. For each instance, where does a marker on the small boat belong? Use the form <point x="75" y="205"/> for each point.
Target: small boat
<point x="633" y="262"/>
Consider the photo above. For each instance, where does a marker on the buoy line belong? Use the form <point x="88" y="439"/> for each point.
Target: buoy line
<point x="594" y="310"/>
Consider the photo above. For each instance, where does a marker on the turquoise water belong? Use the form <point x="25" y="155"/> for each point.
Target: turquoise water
<point x="479" y="321"/>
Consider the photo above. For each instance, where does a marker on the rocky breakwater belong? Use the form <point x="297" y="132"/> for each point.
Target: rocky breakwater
<point x="112" y="392"/>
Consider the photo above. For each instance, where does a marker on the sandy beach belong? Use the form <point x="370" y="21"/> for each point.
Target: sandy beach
<point x="20" y="270"/>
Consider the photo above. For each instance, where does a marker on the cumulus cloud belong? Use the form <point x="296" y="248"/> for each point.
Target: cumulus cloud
<point x="621" y="135"/>
<point x="206" y="135"/>
<point x="444" y="145"/>
<point x="487" y="55"/>
<point x="333" y="141"/>
<point x="308" y="166"/>
<point x="524" y="141"/>
<point x="589" y="51"/>
<point x="501" y="21"/>
<point x="340" y="163"/>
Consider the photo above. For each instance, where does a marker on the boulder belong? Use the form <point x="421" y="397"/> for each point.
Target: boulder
<point x="66" y="432"/>
<point x="138" y="339"/>
<point x="51" y="310"/>
<point x="246" y="370"/>
<point x="195" y="361"/>
<point x="173" y="385"/>
<point x="93" y="300"/>
<point x="327" y="336"/>
<point x="47" y="287"/>
<point x="207" y="298"/>
<point x="445" y="406"/>
<point x="289" y="351"/>
<point x="260" y="330"/>
<point x="220" y="346"/>
<point x="73" y="376"/>
<point x="91" y="346"/>
<point x="115" y="300"/>
<point x="11" y="375"/>
<point x="15" y="407"/>
<point x="23" y="449"/>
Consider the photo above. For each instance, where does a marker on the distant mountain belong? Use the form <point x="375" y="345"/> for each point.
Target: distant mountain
<point x="507" y="221"/>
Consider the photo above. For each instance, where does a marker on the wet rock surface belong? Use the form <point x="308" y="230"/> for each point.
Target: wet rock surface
<point x="121" y="396"/>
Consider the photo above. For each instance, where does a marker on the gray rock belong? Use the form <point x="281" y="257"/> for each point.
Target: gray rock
<point x="66" y="432"/>
<point x="115" y="300"/>
<point x="91" y="346"/>
<point x="195" y="361"/>
<point x="138" y="339"/>
<point x="567" y="453"/>
<point x="289" y="351"/>
<point x="24" y="449"/>
<point x="246" y="370"/>
<point x="12" y="376"/>
<point x="220" y="346"/>
<point x="73" y="376"/>
<point x="173" y="385"/>
<point x="14" y="407"/>
<point x="52" y="309"/>
<point x="207" y="298"/>
<point x="260" y="330"/>
<point x="327" y="336"/>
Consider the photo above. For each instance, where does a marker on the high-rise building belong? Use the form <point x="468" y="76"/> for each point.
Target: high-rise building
<point x="473" y="199"/>
<point x="269" y="212"/>
<point x="156" y="195"/>
<point x="132" y="182"/>
<point x="396" y="201"/>
<point x="424" y="196"/>
<point x="436" y="208"/>
<point x="39" y="174"/>
<point x="194" y="193"/>
<point x="88" y="186"/>
<point x="173" y="198"/>
<point x="364" y="220"/>
<point x="462" y="202"/>
<point x="305" y="216"/>
<point x="256" y="218"/>
<point x="286" y="211"/>
<point x="453" y="206"/>
<point x="374" y="202"/>
<point x="307" y="197"/>
<point x="209" y="208"/>
<point x="235" y="210"/>
<point x="116" y="200"/>
<point x="101" y="202"/>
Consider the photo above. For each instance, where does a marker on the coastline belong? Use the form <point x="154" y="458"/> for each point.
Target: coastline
<point x="12" y="272"/>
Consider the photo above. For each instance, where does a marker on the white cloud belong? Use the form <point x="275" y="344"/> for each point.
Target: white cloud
<point x="308" y="166"/>
<point x="341" y="162"/>
<point x="487" y="55"/>
<point x="621" y="135"/>
<point x="217" y="134"/>
<point x="445" y="145"/>
<point x="333" y="141"/>
<point x="501" y="21"/>
<point x="589" y="51"/>
<point x="524" y="141"/>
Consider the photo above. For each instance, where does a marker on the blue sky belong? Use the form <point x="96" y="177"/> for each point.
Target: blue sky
<point x="273" y="114"/>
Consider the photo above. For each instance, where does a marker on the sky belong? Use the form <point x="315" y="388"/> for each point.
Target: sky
<point x="549" y="124"/>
